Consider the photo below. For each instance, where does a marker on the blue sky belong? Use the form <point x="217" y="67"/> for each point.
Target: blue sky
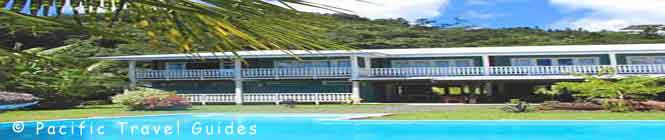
<point x="594" y="15"/>
<point x="506" y="13"/>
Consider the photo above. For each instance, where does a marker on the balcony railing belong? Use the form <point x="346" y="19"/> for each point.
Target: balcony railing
<point x="395" y="72"/>
<point x="296" y="72"/>
<point x="276" y="98"/>
<point x="426" y="71"/>
<point x="546" y="70"/>
<point x="184" y="74"/>
<point x="641" y="69"/>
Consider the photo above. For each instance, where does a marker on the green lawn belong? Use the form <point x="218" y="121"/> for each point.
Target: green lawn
<point x="492" y="113"/>
<point x="401" y="112"/>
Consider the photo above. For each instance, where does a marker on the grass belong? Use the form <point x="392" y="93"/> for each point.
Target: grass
<point x="493" y="113"/>
<point x="401" y="112"/>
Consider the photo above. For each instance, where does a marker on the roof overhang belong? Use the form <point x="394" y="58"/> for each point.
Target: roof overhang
<point x="414" y="52"/>
<point x="244" y="55"/>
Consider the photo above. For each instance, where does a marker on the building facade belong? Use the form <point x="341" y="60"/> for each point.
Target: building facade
<point x="467" y="75"/>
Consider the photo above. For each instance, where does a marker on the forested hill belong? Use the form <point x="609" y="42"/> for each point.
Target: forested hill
<point x="397" y="33"/>
<point x="363" y="33"/>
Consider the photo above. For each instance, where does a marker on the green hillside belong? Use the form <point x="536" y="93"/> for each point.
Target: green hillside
<point x="397" y="33"/>
<point x="355" y="32"/>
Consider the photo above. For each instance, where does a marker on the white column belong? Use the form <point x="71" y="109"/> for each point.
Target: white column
<point x="355" y="87"/>
<point x="613" y="59"/>
<point x="486" y="64"/>
<point x="368" y="63"/>
<point x="613" y="62"/>
<point x="354" y="68"/>
<point x="131" y="73"/>
<point x="355" y="90"/>
<point x="488" y="88"/>
<point x="237" y="78"/>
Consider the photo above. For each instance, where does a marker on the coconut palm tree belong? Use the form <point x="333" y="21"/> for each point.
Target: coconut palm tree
<point x="217" y="25"/>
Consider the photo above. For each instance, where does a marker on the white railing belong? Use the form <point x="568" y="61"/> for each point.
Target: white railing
<point x="210" y="98"/>
<point x="184" y="74"/>
<point x="427" y="71"/>
<point x="641" y="69"/>
<point x="276" y="98"/>
<point x="545" y="70"/>
<point x="397" y="72"/>
<point x="296" y="72"/>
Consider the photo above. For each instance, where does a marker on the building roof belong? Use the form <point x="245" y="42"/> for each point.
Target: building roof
<point x="243" y="54"/>
<point x="417" y="52"/>
<point x="524" y="50"/>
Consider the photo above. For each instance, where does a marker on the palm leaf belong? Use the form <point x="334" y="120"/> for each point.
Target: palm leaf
<point x="214" y="25"/>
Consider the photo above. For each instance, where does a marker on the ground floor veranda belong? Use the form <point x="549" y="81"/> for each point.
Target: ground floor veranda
<point x="370" y="91"/>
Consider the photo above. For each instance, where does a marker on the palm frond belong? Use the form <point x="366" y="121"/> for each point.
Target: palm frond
<point x="215" y="25"/>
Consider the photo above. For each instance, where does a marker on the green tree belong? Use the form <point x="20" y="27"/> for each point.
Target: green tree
<point x="61" y="80"/>
<point x="616" y="91"/>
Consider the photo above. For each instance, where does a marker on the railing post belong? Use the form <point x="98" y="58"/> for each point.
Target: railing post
<point x="277" y="98"/>
<point x="204" y="99"/>
<point x="317" y="98"/>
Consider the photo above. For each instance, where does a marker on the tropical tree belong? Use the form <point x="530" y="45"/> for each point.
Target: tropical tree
<point x="617" y="91"/>
<point x="633" y="87"/>
<point x="61" y="80"/>
<point x="218" y="25"/>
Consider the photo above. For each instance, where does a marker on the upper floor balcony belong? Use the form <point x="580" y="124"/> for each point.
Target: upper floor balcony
<point x="343" y="72"/>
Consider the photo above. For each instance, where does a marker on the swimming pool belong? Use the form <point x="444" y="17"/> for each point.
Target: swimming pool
<point x="321" y="127"/>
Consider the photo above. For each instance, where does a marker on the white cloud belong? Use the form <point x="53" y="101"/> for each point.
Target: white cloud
<point x="374" y="9"/>
<point x="612" y="14"/>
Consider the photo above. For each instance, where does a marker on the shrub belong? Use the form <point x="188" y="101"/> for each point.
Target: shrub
<point x="618" y="106"/>
<point x="151" y="99"/>
<point x="171" y="102"/>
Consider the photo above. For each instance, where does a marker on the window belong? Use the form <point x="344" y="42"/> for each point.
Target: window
<point x="227" y="64"/>
<point x="441" y="63"/>
<point x="586" y="61"/>
<point x="521" y="62"/>
<point x="659" y="60"/>
<point x="639" y="60"/>
<point x="343" y="63"/>
<point x="432" y="63"/>
<point x="330" y="83"/>
<point x="283" y="64"/>
<point x="203" y="65"/>
<point x="400" y="64"/>
<point x="175" y="66"/>
<point x="544" y="62"/>
<point x="555" y="61"/>
<point x="312" y="63"/>
<point x="420" y="63"/>
<point x="462" y="63"/>
<point x="566" y="62"/>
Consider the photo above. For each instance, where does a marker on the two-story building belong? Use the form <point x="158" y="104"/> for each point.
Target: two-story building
<point x="479" y="74"/>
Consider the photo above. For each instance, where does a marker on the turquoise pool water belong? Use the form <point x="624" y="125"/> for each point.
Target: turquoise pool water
<point x="322" y="127"/>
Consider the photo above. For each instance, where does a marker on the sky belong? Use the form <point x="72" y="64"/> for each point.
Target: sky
<point x="593" y="15"/>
